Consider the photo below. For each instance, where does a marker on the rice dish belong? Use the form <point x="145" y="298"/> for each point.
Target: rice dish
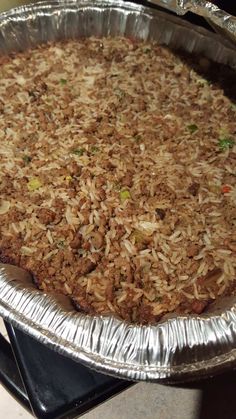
<point x="117" y="176"/>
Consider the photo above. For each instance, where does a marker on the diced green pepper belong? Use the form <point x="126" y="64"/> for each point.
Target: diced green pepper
<point x="192" y="128"/>
<point x="124" y="195"/>
<point x="27" y="159"/>
<point x="34" y="184"/>
<point x="78" y="151"/>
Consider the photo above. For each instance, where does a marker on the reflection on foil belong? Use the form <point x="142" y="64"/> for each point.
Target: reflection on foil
<point x="178" y="348"/>
<point x="221" y="21"/>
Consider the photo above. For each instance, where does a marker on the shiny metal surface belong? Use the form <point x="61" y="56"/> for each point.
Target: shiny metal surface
<point x="179" y="348"/>
<point x="221" y="21"/>
<point x="7" y="4"/>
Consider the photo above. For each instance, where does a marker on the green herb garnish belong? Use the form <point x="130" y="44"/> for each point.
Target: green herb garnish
<point x="192" y="128"/>
<point x="27" y="159"/>
<point x="63" y="81"/>
<point x="225" y="143"/>
<point x="94" y="150"/>
<point x="78" y="151"/>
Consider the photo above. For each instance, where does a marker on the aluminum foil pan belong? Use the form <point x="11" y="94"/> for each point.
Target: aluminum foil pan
<point x="179" y="348"/>
<point x="221" y="21"/>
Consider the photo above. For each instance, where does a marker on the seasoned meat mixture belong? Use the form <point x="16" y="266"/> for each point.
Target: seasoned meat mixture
<point x="117" y="180"/>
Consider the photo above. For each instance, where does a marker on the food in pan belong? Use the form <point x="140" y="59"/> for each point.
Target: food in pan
<point x="118" y="177"/>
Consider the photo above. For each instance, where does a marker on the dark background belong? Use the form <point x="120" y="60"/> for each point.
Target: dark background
<point x="227" y="5"/>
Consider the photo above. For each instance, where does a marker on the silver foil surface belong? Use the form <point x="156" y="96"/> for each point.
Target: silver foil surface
<point x="221" y="21"/>
<point x="180" y="347"/>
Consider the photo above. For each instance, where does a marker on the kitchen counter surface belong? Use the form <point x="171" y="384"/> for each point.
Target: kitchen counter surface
<point x="143" y="401"/>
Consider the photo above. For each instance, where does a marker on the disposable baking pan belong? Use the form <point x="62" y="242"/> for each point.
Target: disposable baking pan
<point x="180" y="347"/>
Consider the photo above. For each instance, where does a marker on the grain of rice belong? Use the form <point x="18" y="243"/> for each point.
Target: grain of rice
<point x="99" y="296"/>
<point x="165" y="268"/>
<point x="195" y="290"/>
<point x="111" y="307"/>
<point x="221" y="290"/>
<point x="228" y="269"/>
<point x="122" y="298"/>
<point x="50" y="254"/>
<point x="162" y="257"/>
<point x="27" y="250"/>
<point x="89" y="285"/>
<point x="177" y="259"/>
<point x="174" y="235"/>
<point x="224" y="251"/>
<point x="129" y="246"/>
<point x="15" y="228"/>
<point x="67" y="288"/>
<point x="187" y="295"/>
<point x="49" y="236"/>
<point x="183" y="277"/>
<point x="201" y="268"/>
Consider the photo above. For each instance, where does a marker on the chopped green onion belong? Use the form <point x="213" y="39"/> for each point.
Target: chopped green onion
<point x="27" y="159"/>
<point x="192" y="128"/>
<point x="94" y="150"/>
<point x="146" y="50"/>
<point x="63" y="81"/>
<point x="125" y="194"/>
<point x="78" y="151"/>
<point x="225" y="143"/>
